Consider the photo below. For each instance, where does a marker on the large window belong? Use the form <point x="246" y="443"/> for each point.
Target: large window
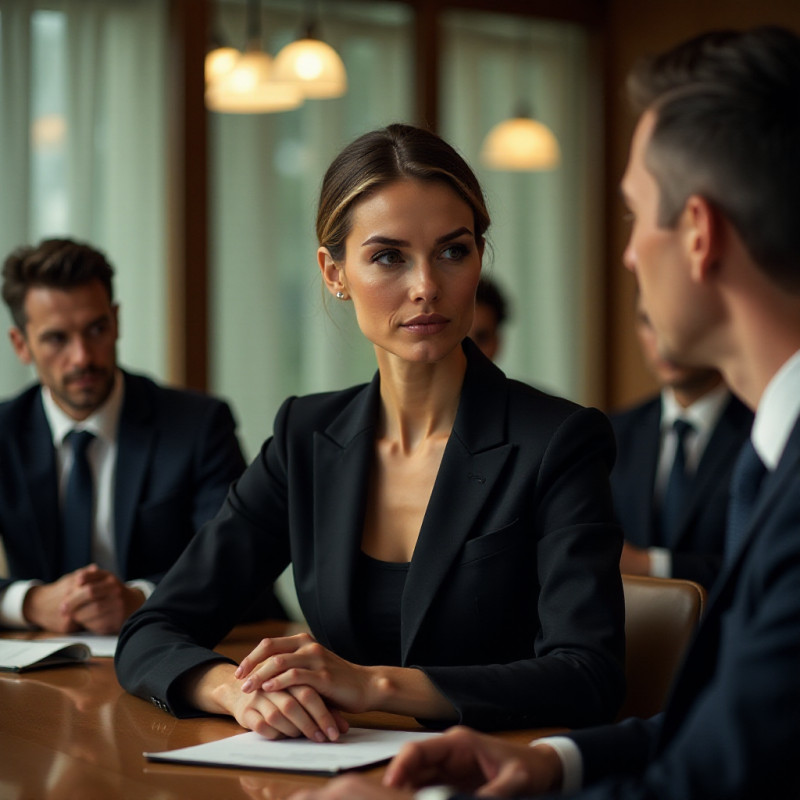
<point x="82" y="151"/>
<point x="273" y="333"/>
<point x="546" y="226"/>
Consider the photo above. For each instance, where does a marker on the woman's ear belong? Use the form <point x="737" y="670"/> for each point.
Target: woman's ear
<point x="332" y="274"/>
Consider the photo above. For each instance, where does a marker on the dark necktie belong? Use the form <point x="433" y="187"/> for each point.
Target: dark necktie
<point x="78" y="512"/>
<point x="746" y="479"/>
<point x="677" y="489"/>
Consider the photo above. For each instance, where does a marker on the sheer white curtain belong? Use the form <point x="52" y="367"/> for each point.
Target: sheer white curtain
<point x="273" y="333"/>
<point x="546" y="226"/>
<point x="82" y="151"/>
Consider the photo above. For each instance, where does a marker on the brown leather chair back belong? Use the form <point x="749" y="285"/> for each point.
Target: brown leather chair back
<point x="661" y="615"/>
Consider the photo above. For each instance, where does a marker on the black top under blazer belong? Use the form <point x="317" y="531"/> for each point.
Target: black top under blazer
<point x="700" y="540"/>
<point x="513" y="602"/>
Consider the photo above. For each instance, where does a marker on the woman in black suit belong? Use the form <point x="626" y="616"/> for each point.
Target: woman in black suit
<point x="450" y="530"/>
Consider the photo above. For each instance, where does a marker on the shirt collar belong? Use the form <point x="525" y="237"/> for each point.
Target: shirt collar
<point x="102" y="423"/>
<point x="702" y="414"/>
<point x="777" y="413"/>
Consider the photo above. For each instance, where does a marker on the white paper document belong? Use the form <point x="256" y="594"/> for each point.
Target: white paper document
<point x="18" y="655"/>
<point x="359" y="747"/>
<point x="100" y="646"/>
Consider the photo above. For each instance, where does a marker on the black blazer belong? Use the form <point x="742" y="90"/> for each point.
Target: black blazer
<point x="697" y="551"/>
<point x="730" y="728"/>
<point x="177" y="454"/>
<point x="512" y="604"/>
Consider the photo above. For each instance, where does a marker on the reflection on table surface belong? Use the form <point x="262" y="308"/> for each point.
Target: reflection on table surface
<point x="73" y="732"/>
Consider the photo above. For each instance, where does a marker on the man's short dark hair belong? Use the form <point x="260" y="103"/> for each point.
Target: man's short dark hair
<point x="55" y="264"/>
<point x="489" y="294"/>
<point x="727" y="128"/>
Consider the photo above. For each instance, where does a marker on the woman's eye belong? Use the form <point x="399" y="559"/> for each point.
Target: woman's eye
<point x="387" y="257"/>
<point x="455" y="252"/>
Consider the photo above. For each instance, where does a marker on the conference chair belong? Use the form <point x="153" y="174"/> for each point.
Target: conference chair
<point x="661" y="615"/>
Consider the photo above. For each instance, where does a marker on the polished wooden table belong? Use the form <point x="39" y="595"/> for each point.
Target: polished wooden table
<point x="73" y="732"/>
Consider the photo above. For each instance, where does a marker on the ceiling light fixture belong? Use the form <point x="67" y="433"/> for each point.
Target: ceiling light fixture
<point x="244" y="83"/>
<point x="314" y="65"/>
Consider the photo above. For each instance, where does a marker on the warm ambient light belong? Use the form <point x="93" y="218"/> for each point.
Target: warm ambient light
<point x="520" y="143"/>
<point x="314" y="66"/>
<point x="219" y="62"/>
<point x="250" y="88"/>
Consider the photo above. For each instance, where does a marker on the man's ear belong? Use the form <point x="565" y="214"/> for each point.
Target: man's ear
<point x="702" y="232"/>
<point x="20" y="345"/>
<point x="332" y="274"/>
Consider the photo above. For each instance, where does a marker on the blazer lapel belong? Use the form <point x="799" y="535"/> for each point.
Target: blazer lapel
<point x="343" y="456"/>
<point x="135" y="440"/>
<point x="35" y="444"/>
<point x="471" y="465"/>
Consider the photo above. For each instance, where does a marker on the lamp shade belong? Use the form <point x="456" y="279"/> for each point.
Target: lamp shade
<point x="220" y="61"/>
<point x="314" y="66"/>
<point x="520" y="143"/>
<point x="249" y="88"/>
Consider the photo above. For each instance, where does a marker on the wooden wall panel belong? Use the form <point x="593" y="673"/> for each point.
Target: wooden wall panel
<point x="635" y="28"/>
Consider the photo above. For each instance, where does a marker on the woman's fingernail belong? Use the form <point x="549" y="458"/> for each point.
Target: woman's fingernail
<point x="247" y="686"/>
<point x="333" y="733"/>
<point x="319" y="736"/>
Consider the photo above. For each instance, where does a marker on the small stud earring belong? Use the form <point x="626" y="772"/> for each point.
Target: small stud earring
<point x="340" y="295"/>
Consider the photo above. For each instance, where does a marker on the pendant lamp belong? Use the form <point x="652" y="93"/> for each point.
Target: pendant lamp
<point x="244" y="83"/>
<point x="521" y="143"/>
<point x="313" y="65"/>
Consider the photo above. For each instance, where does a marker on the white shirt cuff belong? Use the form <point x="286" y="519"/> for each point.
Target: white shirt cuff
<point x="145" y="587"/>
<point x="571" y="761"/>
<point x="660" y="562"/>
<point x="12" y="599"/>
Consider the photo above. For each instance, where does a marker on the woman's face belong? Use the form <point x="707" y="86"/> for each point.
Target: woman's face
<point x="411" y="268"/>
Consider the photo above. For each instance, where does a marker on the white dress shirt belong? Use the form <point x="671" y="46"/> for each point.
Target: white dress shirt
<point x="703" y="415"/>
<point x="102" y="455"/>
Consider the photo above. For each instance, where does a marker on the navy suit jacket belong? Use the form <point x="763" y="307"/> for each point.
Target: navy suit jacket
<point x="177" y="454"/>
<point x="512" y="605"/>
<point x="730" y="728"/>
<point x="697" y="549"/>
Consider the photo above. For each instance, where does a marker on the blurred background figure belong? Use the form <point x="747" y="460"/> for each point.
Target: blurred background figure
<point x="491" y="311"/>
<point x="675" y="455"/>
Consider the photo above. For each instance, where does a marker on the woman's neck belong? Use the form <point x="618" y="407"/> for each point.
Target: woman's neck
<point x="419" y="401"/>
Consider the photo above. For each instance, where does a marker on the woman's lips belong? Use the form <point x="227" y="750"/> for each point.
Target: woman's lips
<point x="426" y="324"/>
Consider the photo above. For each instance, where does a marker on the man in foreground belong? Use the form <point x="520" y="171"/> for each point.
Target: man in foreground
<point x="711" y="180"/>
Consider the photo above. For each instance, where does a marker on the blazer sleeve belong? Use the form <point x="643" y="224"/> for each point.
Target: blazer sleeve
<point x="576" y="676"/>
<point x="222" y="572"/>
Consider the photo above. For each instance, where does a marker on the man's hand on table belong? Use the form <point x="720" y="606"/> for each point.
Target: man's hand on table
<point x="461" y="758"/>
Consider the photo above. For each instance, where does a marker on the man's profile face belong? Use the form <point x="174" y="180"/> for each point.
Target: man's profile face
<point x="659" y="259"/>
<point x="70" y="337"/>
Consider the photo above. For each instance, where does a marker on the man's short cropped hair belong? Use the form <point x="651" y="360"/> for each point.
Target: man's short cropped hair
<point x="727" y="128"/>
<point x="55" y="264"/>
